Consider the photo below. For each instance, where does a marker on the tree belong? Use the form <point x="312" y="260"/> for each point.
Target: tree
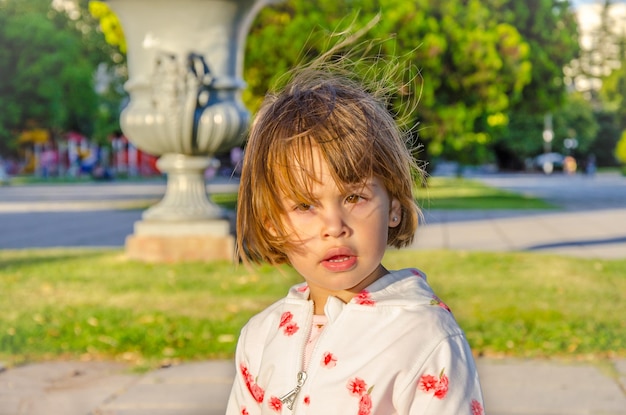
<point x="620" y="151"/>
<point x="46" y="71"/>
<point x="600" y="52"/>
<point x="603" y="147"/>
<point x="575" y="119"/>
<point x="472" y="65"/>
<point x="611" y="96"/>
<point x="551" y="30"/>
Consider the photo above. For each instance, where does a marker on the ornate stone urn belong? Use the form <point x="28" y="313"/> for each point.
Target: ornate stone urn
<point x="185" y="60"/>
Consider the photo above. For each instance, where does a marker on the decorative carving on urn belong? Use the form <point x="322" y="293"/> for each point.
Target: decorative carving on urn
<point x="185" y="60"/>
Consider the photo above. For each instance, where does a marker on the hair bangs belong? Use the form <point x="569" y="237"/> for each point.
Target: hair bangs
<point x="290" y="168"/>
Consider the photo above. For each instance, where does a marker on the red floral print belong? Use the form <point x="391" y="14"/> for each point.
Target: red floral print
<point x="437" y="301"/>
<point x="442" y="387"/>
<point x="357" y="387"/>
<point x="285" y="318"/>
<point x="439" y="386"/>
<point x="302" y="288"/>
<point x="289" y="327"/>
<point x="365" y="405"/>
<point x="275" y="404"/>
<point x="417" y="273"/>
<point x="244" y="411"/>
<point x="255" y="390"/>
<point x="477" y="408"/>
<point x="364" y="298"/>
<point x="307" y="400"/>
<point x="428" y="383"/>
<point x="329" y="360"/>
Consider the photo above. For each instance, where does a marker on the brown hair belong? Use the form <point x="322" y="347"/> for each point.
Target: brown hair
<point x="355" y="135"/>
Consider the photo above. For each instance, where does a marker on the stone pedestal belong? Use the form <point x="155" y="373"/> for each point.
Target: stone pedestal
<point x="185" y="66"/>
<point x="157" y="241"/>
<point x="185" y="196"/>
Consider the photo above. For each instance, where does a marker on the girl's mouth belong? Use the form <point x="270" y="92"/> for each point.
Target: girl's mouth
<point x="339" y="263"/>
<point x="339" y="259"/>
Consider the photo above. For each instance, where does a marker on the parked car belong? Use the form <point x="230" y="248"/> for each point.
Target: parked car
<point x="549" y="162"/>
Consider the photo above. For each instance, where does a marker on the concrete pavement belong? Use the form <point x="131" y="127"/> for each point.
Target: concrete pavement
<point x="103" y="214"/>
<point x="511" y="387"/>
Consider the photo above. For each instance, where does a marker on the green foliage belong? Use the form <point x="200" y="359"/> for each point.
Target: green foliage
<point x="620" y="149"/>
<point x="472" y="65"/>
<point x="551" y="31"/>
<point x="42" y="72"/>
<point x="488" y="69"/>
<point x="575" y="119"/>
<point x="612" y="94"/>
<point x="606" y="139"/>
<point x="47" y="67"/>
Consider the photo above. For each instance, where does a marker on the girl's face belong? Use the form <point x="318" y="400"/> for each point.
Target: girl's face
<point x="340" y="237"/>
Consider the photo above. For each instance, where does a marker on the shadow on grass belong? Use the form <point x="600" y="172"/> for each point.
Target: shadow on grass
<point x="46" y="256"/>
<point x="587" y="242"/>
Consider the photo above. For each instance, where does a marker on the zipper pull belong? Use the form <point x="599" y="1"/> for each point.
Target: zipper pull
<point x="290" y="398"/>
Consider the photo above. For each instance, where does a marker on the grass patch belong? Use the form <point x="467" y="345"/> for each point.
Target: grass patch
<point x="530" y="305"/>
<point x="459" y="193"/>
<point x="225" y="200"/>
<point x="96" y="304"/>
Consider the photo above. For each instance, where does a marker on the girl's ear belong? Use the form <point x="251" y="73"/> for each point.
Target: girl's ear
<point x="270" y="227"/>
<point x="395" y="213"/>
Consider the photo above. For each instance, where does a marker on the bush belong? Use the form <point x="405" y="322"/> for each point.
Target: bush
<point x="620" y="152"/>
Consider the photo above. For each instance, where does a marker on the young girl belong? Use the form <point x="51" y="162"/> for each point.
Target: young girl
<point x="326" y="186"/>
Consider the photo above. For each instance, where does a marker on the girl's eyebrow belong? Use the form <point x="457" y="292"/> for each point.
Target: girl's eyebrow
<point x="366" y="184"/>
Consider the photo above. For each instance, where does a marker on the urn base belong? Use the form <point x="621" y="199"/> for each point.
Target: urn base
<point x="156" y="241"/>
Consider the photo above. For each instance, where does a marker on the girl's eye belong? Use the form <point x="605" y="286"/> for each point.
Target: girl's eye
<point x="302" y="207"/>
<point x="354" y="199"/>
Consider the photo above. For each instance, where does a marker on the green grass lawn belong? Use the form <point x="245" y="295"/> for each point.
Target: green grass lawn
<point x="459" y="193"/>
<point x="96" y="304"/>
<point x="57" y="304"/>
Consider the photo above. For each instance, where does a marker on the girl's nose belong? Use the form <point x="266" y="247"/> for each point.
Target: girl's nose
<point x="334" y="225"/>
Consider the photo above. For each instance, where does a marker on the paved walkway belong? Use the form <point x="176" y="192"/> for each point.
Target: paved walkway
<point x="103" y="214"/>
<point x="511" y="387"/>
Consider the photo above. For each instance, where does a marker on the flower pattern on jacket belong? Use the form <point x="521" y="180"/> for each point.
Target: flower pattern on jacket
<point x="329" y="360"/>
<point x="437" y="301"/>
<point x="255" y="390"/>
<point x="357" y="387"/>
<point x="364" y="298"/>
<point x="477" y="408"/>
<point x="417" y="273"/>
<point x="432" y="385"/>
<point x="365" y="404"/>
<point x="275" y="404"/>
<point x="437" y="385"/>
<point x="289" y="327"/>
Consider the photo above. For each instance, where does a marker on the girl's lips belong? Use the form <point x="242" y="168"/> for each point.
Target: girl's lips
<point x="339" y="259"/>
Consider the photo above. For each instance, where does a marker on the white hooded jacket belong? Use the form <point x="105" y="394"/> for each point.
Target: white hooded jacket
<point x="395" y="348"/>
